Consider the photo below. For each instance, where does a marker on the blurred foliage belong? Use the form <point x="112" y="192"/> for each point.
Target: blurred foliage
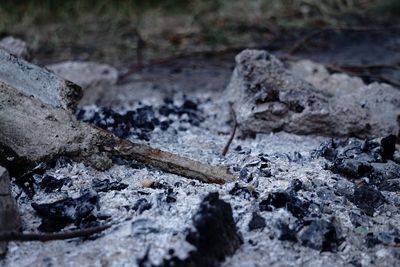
<point x="106" y="28"/>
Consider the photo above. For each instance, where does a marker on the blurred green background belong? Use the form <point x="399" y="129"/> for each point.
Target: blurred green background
<point x="124" y="32"/>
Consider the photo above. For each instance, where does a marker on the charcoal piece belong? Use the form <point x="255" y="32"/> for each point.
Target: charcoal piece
<point x="55" y="216"/>
<point x="144" y="118"/>
<point x="371" y="159"/>
<point x="50" y="184"/>
<point x="105" y="185"/>
<point x="239" y="190"/>
<point x="164" y="125"/>
<point x="368" y="199"/>
<point x="215" y="236"/>
<point x="352" y="167"/>
<point x="141" y="205"/>
<point x="388" y="238"/>
<point x="189" y="104"/>
<point x="283" y="231"/>
<point x="170" y="196"/>
<point x="388" y="144"/>
<point x="321" y="235"/>
<point x="256" y="222"/>
<point x="27" y="181"/>
<point x="296" y="185"/>
<point x="287" y="200"/>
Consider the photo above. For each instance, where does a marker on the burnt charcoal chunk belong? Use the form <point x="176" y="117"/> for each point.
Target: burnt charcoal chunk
<point x="372" y="159"/>
<point x="189" y="104"/>
<point x="287" y="200"/>
<point x="50" y="184"/>
<point x="256" y="222"/>
<point x="238" y="190"/>
<point x="171" y="196"/>
<point x="55" y="216"/>
<point x="321" y="235"/>
<point x="284" y="233"/>
<point x="141" y="205"/>
<point x="164" y="125"/>
<point x="296" y="185"/>
<point x="389" y="238"/>
<point x="352" y="167"/>
<point x="145" y="118"/>
<point x="216" y="235"/>
<point x="388" y="144"/>
<point x="368" y="199"/>
<point x="106" y="185"/>
<point x="27" y="181"/>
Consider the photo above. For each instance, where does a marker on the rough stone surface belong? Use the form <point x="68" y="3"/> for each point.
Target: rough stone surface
<point x="9" y="216"/>
<point x="37" y="82"/>
<point x="15" y="46"/>
<point x="86" y="74"/>
<point x="33" y="131"/>
<point x="268" y="97"/>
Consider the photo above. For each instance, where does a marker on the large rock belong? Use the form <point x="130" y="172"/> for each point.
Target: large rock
<point x="36" y="121"/>
<point x="9" y="216"/>
<point x="37" y="82"/>
<point x="15" y="46"/>
<point x="268" y="97"/>
<point x="86" y="74"/>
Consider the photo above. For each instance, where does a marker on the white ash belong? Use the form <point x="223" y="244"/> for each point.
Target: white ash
<point x="163" y="226"/>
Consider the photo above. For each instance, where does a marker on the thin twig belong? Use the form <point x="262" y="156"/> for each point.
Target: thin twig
<point x="235" y="125"/>
<point x="300" y="43"/>
<point x="43" y="237"/>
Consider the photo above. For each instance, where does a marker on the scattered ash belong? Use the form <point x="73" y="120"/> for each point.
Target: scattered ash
<point x="300" y="200"/>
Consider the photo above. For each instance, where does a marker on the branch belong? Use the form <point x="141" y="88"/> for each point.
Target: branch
<point x="168" y="162"/>
<point x="43" y="237"/>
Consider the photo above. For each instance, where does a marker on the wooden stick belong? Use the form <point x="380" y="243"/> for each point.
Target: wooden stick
<point x="169" y="162"/>
<point x="43" y="237"/>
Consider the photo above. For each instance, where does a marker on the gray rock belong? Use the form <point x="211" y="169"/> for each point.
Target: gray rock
<point x="15" y="46"/>
<point x="9" y="216"/>
<point x="38" y="82"/>
<point x="268" y="97"/>
<point x="86" y="74"/>
<point x="36" y="119"/>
